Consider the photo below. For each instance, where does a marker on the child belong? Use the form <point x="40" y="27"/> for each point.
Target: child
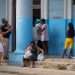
<point x="69" y="41"/>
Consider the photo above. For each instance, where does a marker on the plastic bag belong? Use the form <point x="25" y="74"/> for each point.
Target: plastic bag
<point x="40" y="57"/>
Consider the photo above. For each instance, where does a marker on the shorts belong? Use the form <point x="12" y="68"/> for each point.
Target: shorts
<point x="33" y="58"/>
<point x="69" y="43"/>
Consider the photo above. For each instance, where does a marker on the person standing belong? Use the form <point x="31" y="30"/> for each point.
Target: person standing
<point x="5" y="31"/>
<point x="42" y="32"/>
<point x="69" y="41"/>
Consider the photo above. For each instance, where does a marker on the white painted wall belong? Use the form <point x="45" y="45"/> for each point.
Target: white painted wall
<point x="9" y="12"/>
<point x="2" y="9"/>
<point x="44" y="9"/>
<point x="69" y="9"/>
<point x="65" y="9"/>
<point x="6" y="10"/>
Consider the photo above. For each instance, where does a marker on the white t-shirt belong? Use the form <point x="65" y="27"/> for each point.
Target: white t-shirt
<point x="44" y="33"/>
<point x="36" y="33"/>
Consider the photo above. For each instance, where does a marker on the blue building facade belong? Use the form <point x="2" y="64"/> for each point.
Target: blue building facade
<point x="57" y="13"/>
<point x="61" y="12"/>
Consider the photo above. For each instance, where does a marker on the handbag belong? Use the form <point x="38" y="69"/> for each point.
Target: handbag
<point x="40" y="57"/>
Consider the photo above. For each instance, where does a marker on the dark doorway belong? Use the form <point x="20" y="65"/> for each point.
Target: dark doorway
<point x="14" y="25"/>
<point x="36" y="14"/>
<point x="36" y="10"/>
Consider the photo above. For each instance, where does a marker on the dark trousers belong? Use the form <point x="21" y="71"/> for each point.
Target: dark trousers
<point x="43" y="45"/>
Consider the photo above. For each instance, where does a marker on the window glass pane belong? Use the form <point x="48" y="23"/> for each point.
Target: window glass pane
<point x="14" y="25"/>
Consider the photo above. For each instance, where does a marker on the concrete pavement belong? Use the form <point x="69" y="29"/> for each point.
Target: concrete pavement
<point x="13" y="70"/>
<point x="44" y="70"/>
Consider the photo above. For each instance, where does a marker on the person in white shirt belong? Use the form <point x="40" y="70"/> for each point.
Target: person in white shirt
<point x="42" y="32"/>
<point x="36" y="36"/>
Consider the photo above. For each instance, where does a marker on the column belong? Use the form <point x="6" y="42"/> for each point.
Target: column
<point x="23" y="30"/>
<point x="23" y="23"/>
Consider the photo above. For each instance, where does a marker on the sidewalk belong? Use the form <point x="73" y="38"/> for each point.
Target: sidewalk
<point x="15" y="70"/>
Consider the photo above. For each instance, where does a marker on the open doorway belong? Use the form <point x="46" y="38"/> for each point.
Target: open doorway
<point x="14" y="25"/>
<point x="36" y="10"/>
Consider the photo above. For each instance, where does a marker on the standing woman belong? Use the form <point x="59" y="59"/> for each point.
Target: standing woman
<point x="6" y="30"/>
<point x="69" y="42"/>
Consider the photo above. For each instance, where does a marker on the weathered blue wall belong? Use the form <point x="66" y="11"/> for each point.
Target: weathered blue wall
<point x="56" y="27"/>
<point x="56" y="36"/>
